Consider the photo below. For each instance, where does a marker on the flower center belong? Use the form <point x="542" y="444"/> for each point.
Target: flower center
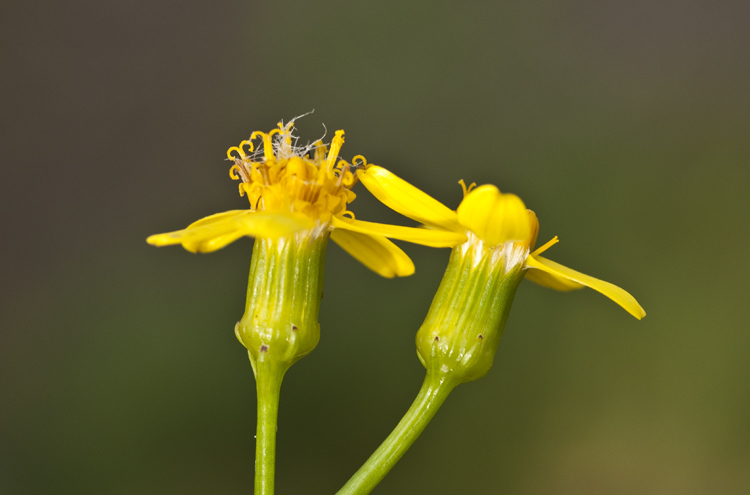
<point x="281" y="176"/>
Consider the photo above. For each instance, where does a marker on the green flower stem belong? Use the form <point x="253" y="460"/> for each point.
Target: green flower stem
<point x="268" y="385"/>
<point x="433" y="393"/>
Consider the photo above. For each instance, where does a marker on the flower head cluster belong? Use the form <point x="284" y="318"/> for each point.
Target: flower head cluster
<point x="302" y="191"/>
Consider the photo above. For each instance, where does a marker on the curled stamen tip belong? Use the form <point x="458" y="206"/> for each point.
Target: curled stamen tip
<point x="237" y="149"/>
<point x="358" y="165"/>
<point x="248" y="143"/>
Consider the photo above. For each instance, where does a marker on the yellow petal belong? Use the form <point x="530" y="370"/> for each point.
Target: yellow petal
<point x="216" y="217"/>
<point x="426" y="237"/>
<point x="534" y="226"/>
<point x="495" y="217"/>
<point x="613" y="292"/>
<point x="216" y="231"/>
<point x="273" y="225"/>
<point x="406" y="199"/>
<point x="197" y="233"/>
<point x="552" y="281"/>
<point x="217" y="242"/>
<point x="375" y="252"/>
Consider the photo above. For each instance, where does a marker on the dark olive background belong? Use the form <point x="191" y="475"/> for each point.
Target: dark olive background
<point x="623" y="124"/>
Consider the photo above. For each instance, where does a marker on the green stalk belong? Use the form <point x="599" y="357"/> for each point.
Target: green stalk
<point x="268" y="385"/>
<point x="433" y="393"/>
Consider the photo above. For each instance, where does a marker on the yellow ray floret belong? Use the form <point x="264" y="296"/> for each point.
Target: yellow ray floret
<point x="426" y="237"/>
<point x="216" y="231"/>
<point x="494" y="218"/>
<point x="573" y="279"/>
<point x="406" y="199"/>
<point x="375" y="252"/>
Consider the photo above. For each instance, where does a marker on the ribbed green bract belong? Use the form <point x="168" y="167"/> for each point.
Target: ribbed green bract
<point x="280" y="324"/>
<point x="461" y="332"/>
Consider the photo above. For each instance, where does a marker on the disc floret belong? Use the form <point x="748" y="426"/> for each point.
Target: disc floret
<point x="280" y="176"/>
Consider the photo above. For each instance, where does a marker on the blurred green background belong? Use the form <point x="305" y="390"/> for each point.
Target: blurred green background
<point x="624" y="125"/>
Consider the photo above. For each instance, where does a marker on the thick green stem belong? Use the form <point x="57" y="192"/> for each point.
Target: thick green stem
<point x="268" y="385"/>
<point x="433" y="393"/>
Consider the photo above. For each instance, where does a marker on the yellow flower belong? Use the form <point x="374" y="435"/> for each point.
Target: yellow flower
<point x="488" y="219"/>
<point x="292" y="194"/>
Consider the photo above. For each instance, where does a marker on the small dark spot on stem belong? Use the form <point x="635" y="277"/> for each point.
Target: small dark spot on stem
<point x="294" y="327"/>
<point x="264" y="348"/>
<point x="480" y="337"/>
<point x="437" y="338"/>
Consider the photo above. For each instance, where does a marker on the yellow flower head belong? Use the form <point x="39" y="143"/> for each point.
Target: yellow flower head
<point x="301" y="192"/>
<point x="487" y="220"/>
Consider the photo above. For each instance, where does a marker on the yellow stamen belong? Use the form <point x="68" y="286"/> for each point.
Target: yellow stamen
<point x="467" y="190"/>
<point x="232" y="173"/>
<point x="336" y="144"/>
<point x="546" y="246"/>
<point x="349" y="214"/>
<point x="268" y="145"/>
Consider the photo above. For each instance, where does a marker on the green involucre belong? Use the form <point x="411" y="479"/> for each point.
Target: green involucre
<point x="462" y="329"/>
<point x="280" y="323"/>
